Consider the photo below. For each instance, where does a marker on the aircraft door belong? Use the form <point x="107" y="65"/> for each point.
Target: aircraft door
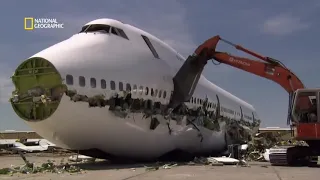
<point x="218" y="114"/>
<point x="253" y="118"/>
<point x="241" y="118"/>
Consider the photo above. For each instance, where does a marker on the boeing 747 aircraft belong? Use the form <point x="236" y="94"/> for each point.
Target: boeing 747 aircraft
<point x="105" y="91"/>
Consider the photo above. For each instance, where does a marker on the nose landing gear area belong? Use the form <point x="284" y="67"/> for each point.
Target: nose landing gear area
<point x="38" y="89"/>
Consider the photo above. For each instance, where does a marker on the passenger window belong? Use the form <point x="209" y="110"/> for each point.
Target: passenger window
<point x="93" y="82"/>
<point x="82" y="81"/>
<point x="112" y="85"/>
<point x="147" y="41"/>
<point x="95" y="28"/>
<point x="140" y="90"/>
<point x="135" y="88"/>
<point x="103" y="84"/>
<point x="155" y="93"/>
<point x="147" y="90"/>
<point x="164" y="94"/>
<point x="160" y="92"/>
<point x="128" y="87"/>
<point x="69" y="79"/>
<point x="120" y="86"/>
<point x="122" y="33"/>
<point x="152" y="93"/>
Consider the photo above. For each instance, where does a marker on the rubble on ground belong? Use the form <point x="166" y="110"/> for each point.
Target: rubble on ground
<point x="262" y="141"/>
<point x="158" y="165"/>
<point x="49" y="166"/>
<point x="255" y="152"/>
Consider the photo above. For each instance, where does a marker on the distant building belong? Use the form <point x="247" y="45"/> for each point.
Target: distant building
<point x="274" y="129"/>
<point x="12" y="134"/>
<point x="285" y="132"/>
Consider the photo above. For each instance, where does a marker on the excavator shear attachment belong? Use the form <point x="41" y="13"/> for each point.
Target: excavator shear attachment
<point x="186" y="79"/>
<point x="209" y="46"/>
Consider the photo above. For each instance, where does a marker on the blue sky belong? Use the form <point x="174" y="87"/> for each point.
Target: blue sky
<point x="286" y="30"/>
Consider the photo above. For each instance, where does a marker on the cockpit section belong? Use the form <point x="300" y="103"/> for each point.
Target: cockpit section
<point x="103" y="28"/>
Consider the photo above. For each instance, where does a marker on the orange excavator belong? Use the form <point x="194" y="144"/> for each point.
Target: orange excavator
<point x="304" y="107"/>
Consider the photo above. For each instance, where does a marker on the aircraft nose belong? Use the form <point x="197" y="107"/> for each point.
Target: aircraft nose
<point x="38" y="89"/>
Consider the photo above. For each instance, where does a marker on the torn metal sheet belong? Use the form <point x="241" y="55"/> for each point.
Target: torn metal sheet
<point x="226" y="160"/>
<point x="81" y="158"/>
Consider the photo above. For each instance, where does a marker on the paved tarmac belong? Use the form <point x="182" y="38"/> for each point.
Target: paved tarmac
<point x="104" y="170"/>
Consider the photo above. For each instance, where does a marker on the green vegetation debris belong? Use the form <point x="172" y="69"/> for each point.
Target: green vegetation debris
<point x="49" y="166"/>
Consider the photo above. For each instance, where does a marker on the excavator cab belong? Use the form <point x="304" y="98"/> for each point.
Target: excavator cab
<point x="305" y="106"/>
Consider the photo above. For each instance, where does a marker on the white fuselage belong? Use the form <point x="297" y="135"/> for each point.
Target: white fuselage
<point x="110" y="57"/>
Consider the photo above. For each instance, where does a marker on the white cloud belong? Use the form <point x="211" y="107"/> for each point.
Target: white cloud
<point x="283" y="25"/>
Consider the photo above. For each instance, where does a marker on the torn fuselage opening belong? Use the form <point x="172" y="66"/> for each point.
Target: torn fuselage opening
<point x="122" y="104"/>
<point x="38" y="89"/>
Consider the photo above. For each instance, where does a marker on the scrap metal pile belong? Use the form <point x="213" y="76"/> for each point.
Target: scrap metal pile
<point x="262" y="141"/>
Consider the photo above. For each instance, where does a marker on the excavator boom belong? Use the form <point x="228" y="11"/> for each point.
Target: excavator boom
<point x="271" y="69"/>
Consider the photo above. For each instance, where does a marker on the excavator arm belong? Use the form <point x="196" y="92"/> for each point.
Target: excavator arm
<point x="188" y="75"/>
<point x="270" y="69"/>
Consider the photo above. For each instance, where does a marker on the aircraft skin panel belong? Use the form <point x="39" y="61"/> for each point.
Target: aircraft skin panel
<point x="105" y="56"/>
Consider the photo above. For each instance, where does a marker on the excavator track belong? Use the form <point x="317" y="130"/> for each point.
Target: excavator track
<point x="292" y="156"/>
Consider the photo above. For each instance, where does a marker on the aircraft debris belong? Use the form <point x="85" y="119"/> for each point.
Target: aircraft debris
<point x="158" y="165"/>
<point x="81" y="158"/>
<point x="225" y="160"/>
<point x="49" y="166"/>
<point x="207" y="161"/>
<point x="259" y="146"/>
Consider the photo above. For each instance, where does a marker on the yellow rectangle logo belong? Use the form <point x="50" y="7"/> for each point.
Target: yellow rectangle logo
<point x="28" y="23"/>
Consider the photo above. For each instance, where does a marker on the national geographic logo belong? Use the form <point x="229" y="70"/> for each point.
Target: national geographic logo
<point x="31" y="23"/>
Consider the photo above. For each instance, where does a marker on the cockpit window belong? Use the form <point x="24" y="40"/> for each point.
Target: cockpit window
<point x="119" y="32"/>
<point x="113" y="31"/>
<point x="105" y="29"/>
<point x="84" y="28"/>
<point x="95" y="28"/>
<point x="122" y="33"/>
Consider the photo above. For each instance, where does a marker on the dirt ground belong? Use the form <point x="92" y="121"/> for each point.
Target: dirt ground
<point x="104" y="170"/>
